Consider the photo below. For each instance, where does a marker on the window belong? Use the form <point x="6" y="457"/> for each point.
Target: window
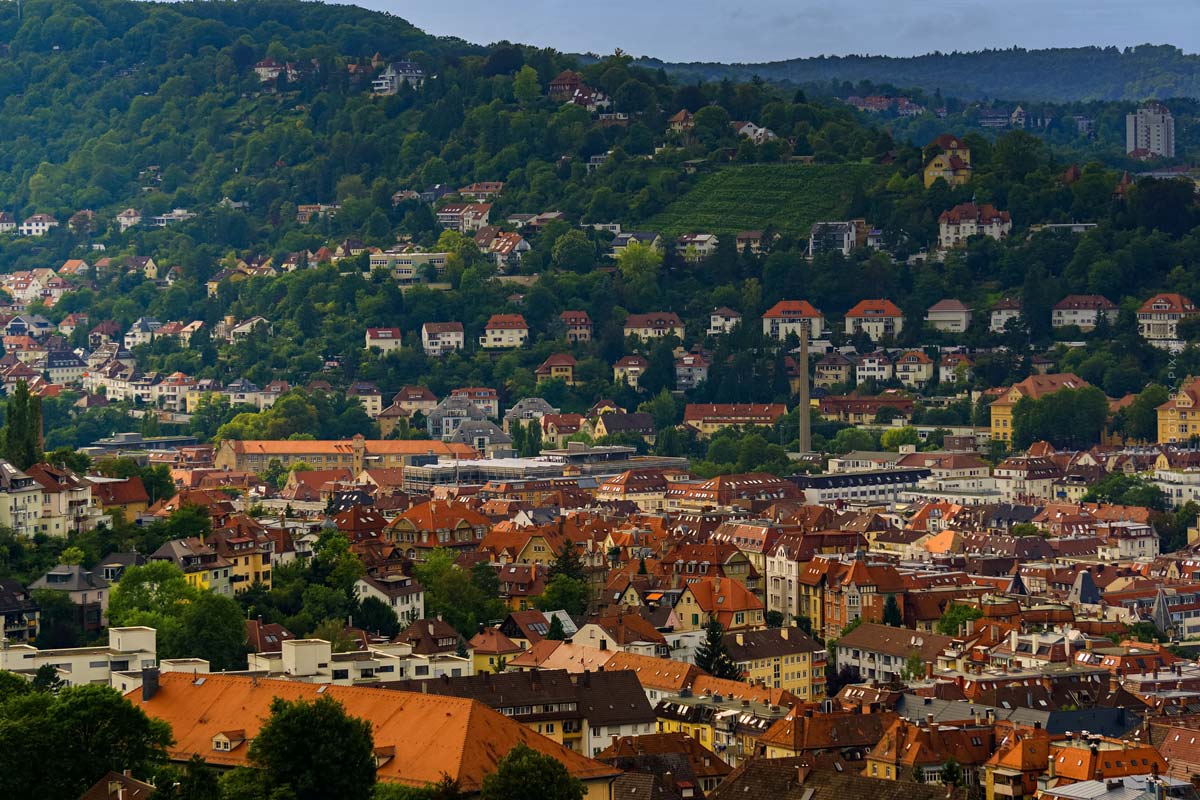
<point x="341" y="674"/>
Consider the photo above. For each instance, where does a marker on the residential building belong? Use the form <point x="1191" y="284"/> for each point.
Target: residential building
<point x="788" y="317"/>
<point x="578" y="325"/>
<point x="395" y="75"/>
<point x="583" y="712"/>
<point x="952" y="164"/>
<point x="462" y="739"/>
<point x="1179" y="417"/>
<point x="836" y="237"/>
<point x="691" y="370"/>
<point x="643" y="238"/>
<point x="914" y="369"/>
<point x="832" y="370"/>
<point x="727" y="600"/>
<point x="860" y="409"/>
<point x="1034" y="387"/>
<point x="1159" y="318"/>
<point x="504" y="332"/>
<point x="38" y="225"/>
<point x="385" y="340"/>
<point x="485" y="399"/>
<point x="921" y="748"/>
<point x="782" y="658"/>
<point x="954" y="368"/>
<point x="130" y="650"/>
<point x="560" y="366"/>
<point x="968" y="219"/>
<point x="453" y="411"/>
<point x="355" y="454"/>
<point x="882" y="653"/>
<point x="439" y="338"/>
<point x="20" y="501"/>
<point x="1083" y="311"/>
<point x="696" y="246"/>
<point x="870" y="488"/>
<point x="1026" y="479"/>
<point x="878" y="319"/>
<point x="629" y="369"/>
<point x="722" y="320"/>
<point x="1150" y="132"/>
<point x="949" y="316"/>
<point x="708" y="418"/>
<point x="87" y="590"/>
<point x="402" y="594"/>
<point x="654" y="325"/>
<point x="875" y="366"/>
<point x="415" y="399"/>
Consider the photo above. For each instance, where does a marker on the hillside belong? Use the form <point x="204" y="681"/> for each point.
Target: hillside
<point x="1061" y="75"/>
<point x="789" y="198"/>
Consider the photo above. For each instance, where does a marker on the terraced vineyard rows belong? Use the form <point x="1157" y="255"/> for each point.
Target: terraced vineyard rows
<point x="791" y="197"/>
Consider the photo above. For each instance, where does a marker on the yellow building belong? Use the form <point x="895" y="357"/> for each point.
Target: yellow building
<point x="1034" y="387"/>
<point x="953" y="164"/>
<point x="1179" y="417"/>
<point x="491" y="651"/>
<point x="781" y="658"/>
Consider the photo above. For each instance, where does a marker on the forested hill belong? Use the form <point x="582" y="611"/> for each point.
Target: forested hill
<point x="1058" y="75"/>
<point x="90" y="89"/>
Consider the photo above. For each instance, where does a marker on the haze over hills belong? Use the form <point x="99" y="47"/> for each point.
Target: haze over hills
<point x="1059" y="75"/>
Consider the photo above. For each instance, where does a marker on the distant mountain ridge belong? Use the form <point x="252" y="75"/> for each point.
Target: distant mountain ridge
<point x="1057" y="75"/>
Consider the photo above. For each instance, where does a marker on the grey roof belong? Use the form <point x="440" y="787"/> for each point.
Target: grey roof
<point x="528" y="407"/>
<point x="472" y="429"/>
<point x="1131" y="787"/>
<point x="69" y="578"/>
<point x="1114" y="722"/>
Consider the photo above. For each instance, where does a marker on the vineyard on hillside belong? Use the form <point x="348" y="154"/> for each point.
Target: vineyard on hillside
<point x="790" y="197"/>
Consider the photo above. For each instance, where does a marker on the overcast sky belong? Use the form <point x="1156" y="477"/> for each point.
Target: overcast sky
<point x="766" y="30"/>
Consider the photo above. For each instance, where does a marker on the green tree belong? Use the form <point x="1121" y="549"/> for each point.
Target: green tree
<point x="773" y="619"/>
<point x="314" y="751"/>
<point x="58" y="745"/>
<point x="1122" y="489"/>
<point x="22" y="433"/>
<point x="955" y="617"/>
<point x="952" y="774"/>
<point x="713" y="656"/>
<point x="574" y="252"/>
<point x="569" y="563"/>
<point x="526" y="774"/>
<point x="556" y="632"/>
<point x="894" y="438"/>
<point x="376" y="616"/>
<point x="525" y="86"/>
<point x="891" y="612"/>
<point x="564" y="592"/>
<point x="46" y="679"/>
<point x="212" y="627"/>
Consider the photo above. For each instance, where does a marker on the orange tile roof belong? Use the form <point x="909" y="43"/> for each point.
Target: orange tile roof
<point x="656" y="673"/>
<point x="875" y="308"/>
<point x="460" y="738"/>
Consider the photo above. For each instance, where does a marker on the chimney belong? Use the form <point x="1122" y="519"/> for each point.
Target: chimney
<point x="149" y="683"/>
<point x="929" y="720"/>
<point x="928" y="670"/>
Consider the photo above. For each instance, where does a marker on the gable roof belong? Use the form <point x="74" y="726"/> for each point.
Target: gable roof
<point x="460" y="738"/>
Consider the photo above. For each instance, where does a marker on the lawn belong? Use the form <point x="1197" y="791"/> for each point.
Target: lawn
<point x="791" y="197"/>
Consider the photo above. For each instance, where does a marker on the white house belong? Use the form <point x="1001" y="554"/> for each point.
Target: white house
<point x="439" y="338"/>
<point x="949" y="316"/>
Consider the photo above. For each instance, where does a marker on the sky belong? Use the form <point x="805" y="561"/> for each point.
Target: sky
<point x="768" y="30"/>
